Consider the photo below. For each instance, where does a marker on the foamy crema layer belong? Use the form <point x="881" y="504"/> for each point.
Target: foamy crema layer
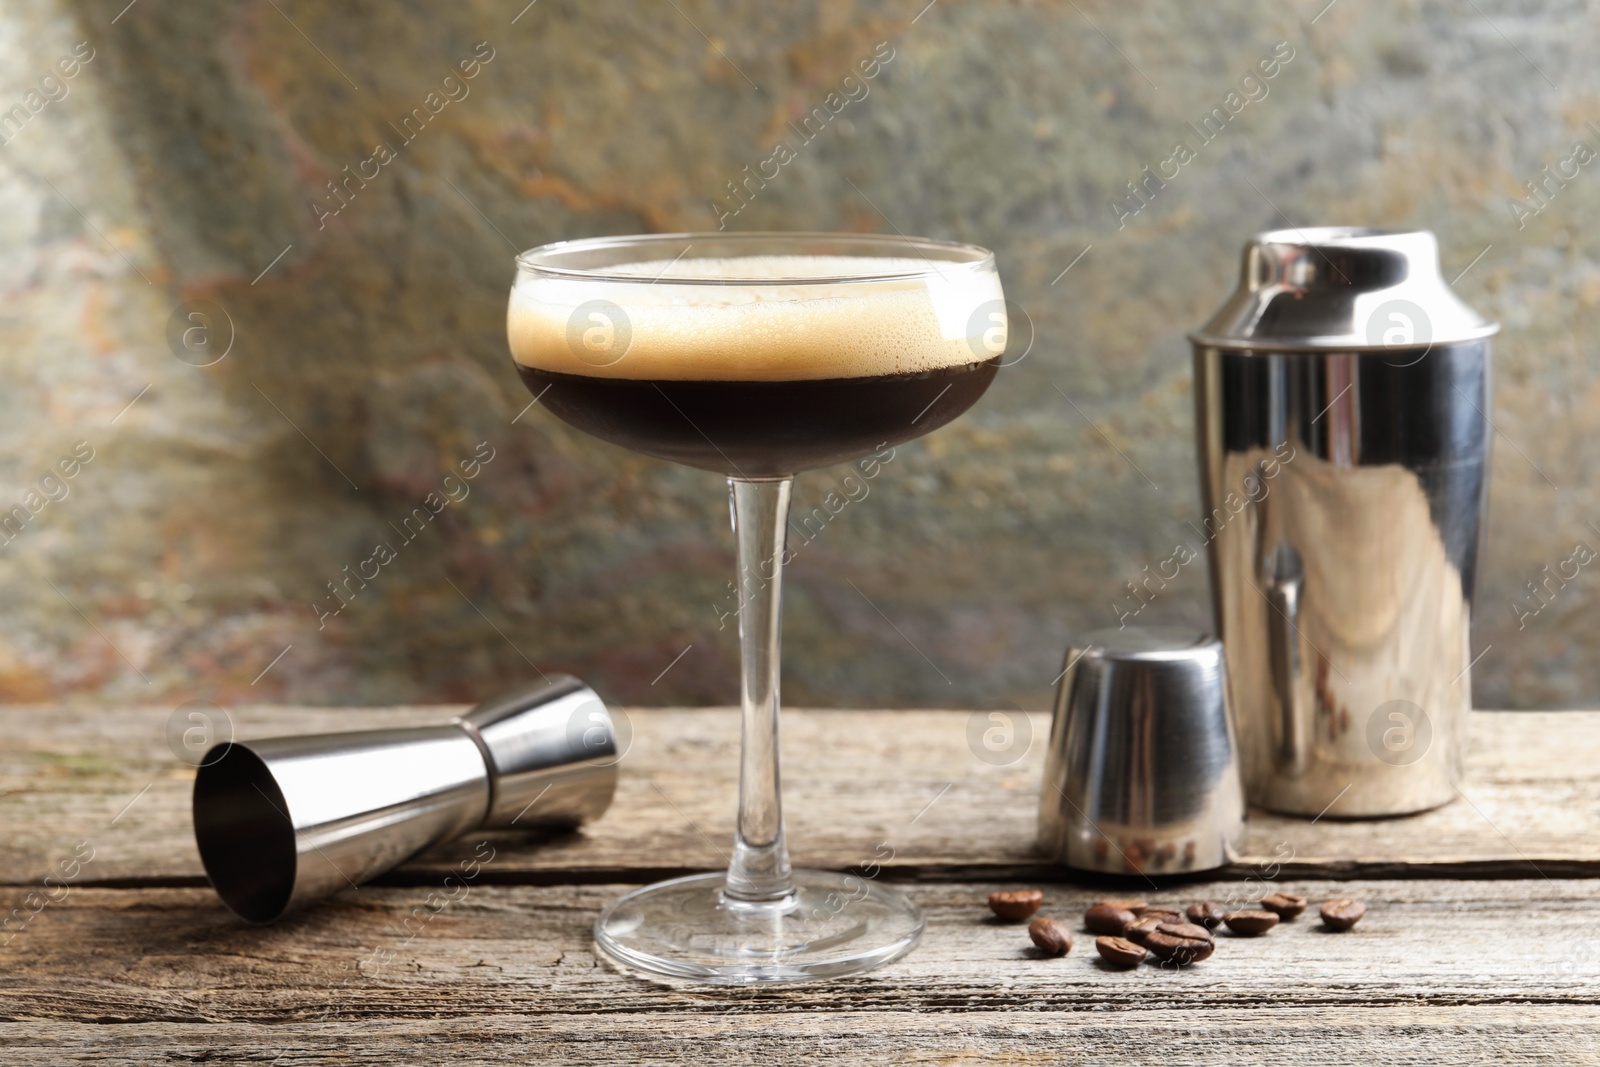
<point x="745" y="330"/>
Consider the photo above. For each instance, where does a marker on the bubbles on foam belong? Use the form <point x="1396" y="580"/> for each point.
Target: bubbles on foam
<point x="742" y="330"/>
<point x="766" y="268"/>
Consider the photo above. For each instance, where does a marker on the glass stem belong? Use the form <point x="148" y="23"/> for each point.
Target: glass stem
<point x="759" y="871"/>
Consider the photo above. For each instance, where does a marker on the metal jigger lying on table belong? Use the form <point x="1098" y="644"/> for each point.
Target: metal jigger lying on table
<point x="283" y="821"/>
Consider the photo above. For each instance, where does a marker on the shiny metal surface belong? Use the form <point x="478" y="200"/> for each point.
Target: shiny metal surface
<point x="283" y="821"/>
<point x="1141" y="774"/>
<point x="553" y="749"/>
<point x="287" y="820"/>
<point x="1342" y="287"/>
<point x="1344" y="491"/>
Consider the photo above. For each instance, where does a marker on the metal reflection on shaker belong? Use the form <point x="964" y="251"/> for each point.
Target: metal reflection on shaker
<point x="1345" y="370"/>
<point x="283" y="821"/>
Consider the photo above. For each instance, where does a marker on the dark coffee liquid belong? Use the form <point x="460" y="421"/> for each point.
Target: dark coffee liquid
<point x="761" y="429"/>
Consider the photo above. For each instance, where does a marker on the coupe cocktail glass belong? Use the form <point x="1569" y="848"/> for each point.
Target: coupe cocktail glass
<point x="757" y="356"/>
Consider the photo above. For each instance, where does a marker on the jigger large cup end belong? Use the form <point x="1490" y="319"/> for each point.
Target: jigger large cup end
<point x="246" y="842"/>
<point x="283" y="821"/>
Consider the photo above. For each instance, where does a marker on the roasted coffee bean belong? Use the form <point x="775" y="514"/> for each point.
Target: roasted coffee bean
<point x="1052" y="937"/>
<point x="1182" y="943"/>
<point x="1343" y="913"/>
<point x="1015" y="905"/>
<point x="1182" y="929"/>
<point x="1141" y="929"/>
<point x="1108" y="919"/>
<point x="1166" y="915"/>
<point x="1136" y="906"/>
<point x="1205" y="913"/>
<point x="1284" y="905"/>
<point x="1119" y="951"/>
<point x="1250" y="923"/>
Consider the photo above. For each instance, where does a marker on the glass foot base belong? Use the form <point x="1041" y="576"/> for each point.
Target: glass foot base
<point x="834" y="924"/>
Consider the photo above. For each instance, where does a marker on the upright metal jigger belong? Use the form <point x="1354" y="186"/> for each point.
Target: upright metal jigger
<point x="284" y="821"/>
<point x="1141" y="774"/>
<point x="1342" y="398"/>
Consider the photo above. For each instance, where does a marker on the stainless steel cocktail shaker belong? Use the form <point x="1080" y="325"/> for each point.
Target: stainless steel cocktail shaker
<point x="1342" y="398"/>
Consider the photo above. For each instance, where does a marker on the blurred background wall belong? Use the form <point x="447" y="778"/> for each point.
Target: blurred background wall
<point x="198" y="161"/>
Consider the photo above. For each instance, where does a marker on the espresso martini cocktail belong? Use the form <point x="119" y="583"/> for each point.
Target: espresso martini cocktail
<point x="752" y="366"/>
<point x="758" y="356"/>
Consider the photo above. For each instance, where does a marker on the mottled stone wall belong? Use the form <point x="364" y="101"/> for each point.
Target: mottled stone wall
<point x="184" y="168"/>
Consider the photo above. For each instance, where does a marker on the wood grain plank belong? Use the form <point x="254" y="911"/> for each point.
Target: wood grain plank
<point x="1385" y="1036"/>
<point x="174" y="956"/>
<point x="853" y="780"/>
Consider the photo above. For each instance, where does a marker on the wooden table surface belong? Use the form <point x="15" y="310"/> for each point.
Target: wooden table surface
<point x="1481" y="943"/>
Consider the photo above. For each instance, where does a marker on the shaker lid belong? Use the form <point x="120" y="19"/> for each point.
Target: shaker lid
<point x="1345" y="288"/>
<point x="1141" y="771"/>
